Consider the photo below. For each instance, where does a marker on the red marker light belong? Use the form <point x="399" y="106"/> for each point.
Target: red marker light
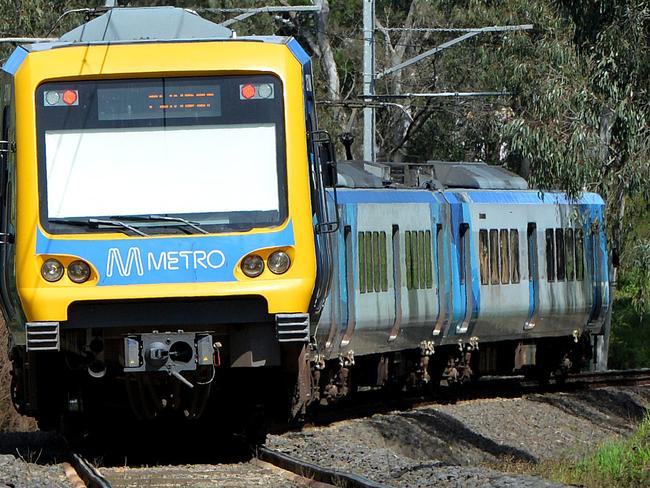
<point x="69" y="97"/>
<point x="248" y="91"/>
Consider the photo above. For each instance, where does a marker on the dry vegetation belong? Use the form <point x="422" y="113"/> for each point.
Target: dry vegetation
<point x="9" y="418"/>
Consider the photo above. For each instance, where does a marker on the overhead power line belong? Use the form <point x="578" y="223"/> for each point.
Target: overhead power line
<point x="460" y="29"/>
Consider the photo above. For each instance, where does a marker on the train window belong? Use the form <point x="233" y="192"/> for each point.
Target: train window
<point x="383" y="262"/>
<point x="362" y="262"/>
<point x="376" y="262"/>
<point x="428" y="262"/>
<point x="550" y="255"/>
<point x="407" y="259"/>
<point x="505" y="256"/>
<point x="463" y="252"/>
<point x="422" y="259"/>
<point x="135" y="125"/>
<point x="415" y="261"/>
<point x="369" y="260"/>
<point x="440" y="257"/>
<point x="580" y="253"/>
<point x="483" y="255"/>
<point x="569" y="250"/>
<point x="559" y="253"/>
<point x="418" y="259"/>
<point x="494" y="257"/>
<point x="531" y="234"/>
<point x="373" y="272"/>
<point x="514" y="254"/>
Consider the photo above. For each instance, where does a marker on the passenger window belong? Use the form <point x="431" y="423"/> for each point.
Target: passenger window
<point x="559" y="252"/>
<point x="505" y="256"/>
<point x="415" y="261"/>
<point x="421" y="259"/>
<point x="514" y="254"/>
<point x="362" y="262"/>
<point x="376" y="262"/>
<point x="483" y="253"/>
<point x="463" y="250"/>
<point x="418" y="258"/>
<point x="428" y="259"/>
<point x="407" y="259"/>
<point x="569" y="249"/>
<point x="494" y="257"/>
<point x="383" y="262"/>
<point x="531" y="235"/>
<point x="580" y="263"/>
<point x="373" y="273"/>
<point x="550" y="255"/>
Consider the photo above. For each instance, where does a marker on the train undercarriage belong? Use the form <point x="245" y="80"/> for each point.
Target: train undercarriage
<point x="86" y="382"/>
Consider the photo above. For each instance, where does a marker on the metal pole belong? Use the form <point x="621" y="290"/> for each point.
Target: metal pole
<point x="368" y="79"/>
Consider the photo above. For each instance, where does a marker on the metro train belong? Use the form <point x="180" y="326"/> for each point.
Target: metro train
<point x="177" y="235"/>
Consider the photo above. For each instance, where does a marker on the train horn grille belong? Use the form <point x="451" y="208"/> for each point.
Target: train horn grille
<point x="43" y="336"/>
<point x="292" y="327"/>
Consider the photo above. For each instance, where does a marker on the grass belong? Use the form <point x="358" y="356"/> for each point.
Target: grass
<point x="620" y="463"/>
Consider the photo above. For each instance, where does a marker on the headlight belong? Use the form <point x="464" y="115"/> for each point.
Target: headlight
<point x="52" y="270"/>
<point x="279" y="262"/>
<point x="78" y="271"/>
<point x="252" y="265"/>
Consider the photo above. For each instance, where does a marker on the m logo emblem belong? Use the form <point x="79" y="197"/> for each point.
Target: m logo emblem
<point x="133" y="259"/>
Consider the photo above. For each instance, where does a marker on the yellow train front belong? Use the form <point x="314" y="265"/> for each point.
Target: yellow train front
<point x="159" y="200"/>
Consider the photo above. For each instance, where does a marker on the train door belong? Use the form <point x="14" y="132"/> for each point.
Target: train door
<point x="465" y="277"/>
<point x="416" y="275"/>
<point x="443" y="281"/>
<point x="503" y="304"/>
<point x="369" y="277"/>
<point x="595" y="265"/>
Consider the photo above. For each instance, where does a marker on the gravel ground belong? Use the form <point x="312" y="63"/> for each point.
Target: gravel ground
<point x="235" y="475"/>
<point x="460" y="445"/>
<point x="26" y="463"/>
<point x="16" y="473"/>
<point x="450" y="445"/>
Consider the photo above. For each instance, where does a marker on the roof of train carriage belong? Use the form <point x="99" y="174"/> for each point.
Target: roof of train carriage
<point x="125" y="25"/>
<point x="443" y="175"/>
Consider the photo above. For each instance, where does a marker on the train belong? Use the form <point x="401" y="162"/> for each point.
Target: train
<point x="178" y="236"/>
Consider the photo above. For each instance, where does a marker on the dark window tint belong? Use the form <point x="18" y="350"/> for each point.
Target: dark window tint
<point x="373" y="273"/>
<point x="580" y="255"/>
<point x="428" y="259"/>
<point x="559" y="252"/>
<point x="569" y="251"/>
<point x="514" y="254"/>
<point x="484" y="256"/>
<point x="531" y="233"/>
<point x="418" y="259"/>
<point x="550" y="255"/>
<point x="464" y="252"/>
<point x="494" y="257"/>
<point x="505" y="256"/>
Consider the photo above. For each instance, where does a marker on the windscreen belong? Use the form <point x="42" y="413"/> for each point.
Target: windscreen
<point x="210" y="150"/>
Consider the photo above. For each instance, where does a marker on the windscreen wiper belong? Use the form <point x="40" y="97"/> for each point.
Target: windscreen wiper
<point x="95" y="223"/>
<point x="164" y="218"/>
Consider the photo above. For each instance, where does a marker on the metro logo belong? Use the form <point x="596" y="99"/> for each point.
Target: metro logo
<point x="165" y="260"/>
<point x="124" y="269"/>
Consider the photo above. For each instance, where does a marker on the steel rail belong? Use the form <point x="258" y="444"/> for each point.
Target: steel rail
<point x="312" y="471"/>
<point x="88" y="473"/>
<point x="611" y="377"/>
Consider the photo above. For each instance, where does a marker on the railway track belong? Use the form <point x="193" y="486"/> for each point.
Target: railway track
<point x="275" y="468"/>
<point x="270" y="465"/>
